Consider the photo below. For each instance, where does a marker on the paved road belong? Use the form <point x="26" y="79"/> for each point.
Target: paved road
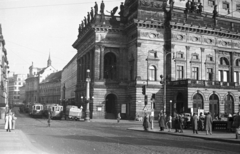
<point x="109" y="137"/>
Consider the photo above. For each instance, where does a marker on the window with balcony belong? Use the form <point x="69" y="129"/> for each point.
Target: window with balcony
<point x="195" y="73"/>
<point x="223" y="75"/>
<point x="152" y="73"/>
<point x="237" y="76"/>
<point x="179" y="72"/>
<point x="209" y="74"/>
<point x="110" y="66"/>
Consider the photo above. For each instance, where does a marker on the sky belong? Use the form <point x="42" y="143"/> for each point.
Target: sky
<point x="33" y="29"/>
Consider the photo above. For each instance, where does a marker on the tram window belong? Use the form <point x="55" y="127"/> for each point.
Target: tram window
<point x="53" y="108"/>
<point x="38" y="107"/>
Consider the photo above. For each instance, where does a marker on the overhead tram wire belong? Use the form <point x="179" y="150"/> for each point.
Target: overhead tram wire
<point x="110" y="1"/>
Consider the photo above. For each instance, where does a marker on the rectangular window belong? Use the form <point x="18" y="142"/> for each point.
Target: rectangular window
<point x="179" y="55"/>
<point x="179" y="72"/>
<point x="195" y="73"/>
<point x="235" y="77"/>
<point x="211" y="3"/>
<point x="210" y="74"/>
<point x="225" y="5"/>
<point x="238" y="7"/>
<point x="195" y="57"/>
<point x="225" y="76"/>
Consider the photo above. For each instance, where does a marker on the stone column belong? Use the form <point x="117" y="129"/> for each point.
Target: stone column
<point x="102" y="48"/>
<point x="188" y="59"/>
<point x="97" y="63"/>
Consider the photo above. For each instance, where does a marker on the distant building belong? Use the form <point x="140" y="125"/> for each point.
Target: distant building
<point x="50" y="89"/>
<point x="69" y="82"/>
<point x="3" y="75"/>
<point x="15" y="82"/>
<point x="35" y="77"/>
<point x="22" y="94"/>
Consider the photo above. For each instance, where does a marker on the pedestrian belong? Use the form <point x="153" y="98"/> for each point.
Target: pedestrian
<point x="208" y="123"/>
<point x="161" y="121"/>
<point x="49" y="118"/>
<point x="8" y="121"/>
<point x="118" y="117"/>
<point x="169" y="122"/>
<point x="181" y="120"/>
<point x="201" y="122"/>
<point x="195" y="123"/>
<point x="14" y="118"/>
<point x="146" y="122"/>
<point x="176" y="122"/>
<point x="236" y="124"/>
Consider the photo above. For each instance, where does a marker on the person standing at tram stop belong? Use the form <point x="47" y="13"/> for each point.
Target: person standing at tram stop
<point x="146" y="122"/>
<point x="195" y="123"/>
<point x="208" y="123"/>
<point x="118" y="117"/>
<point x="49" y="118"/>
<point x="161" y="121"/>
<point x="8" y="121"/>
<point x="14" y="118"/>
<point x="181" y="123"/>
<point x="176" y="123"/>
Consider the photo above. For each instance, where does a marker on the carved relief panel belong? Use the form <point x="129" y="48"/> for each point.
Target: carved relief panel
<point x="224" y="43"/>
<point x="192" y="38"/>
<point x="180" y="37"/>
<point x="208" y="40"/>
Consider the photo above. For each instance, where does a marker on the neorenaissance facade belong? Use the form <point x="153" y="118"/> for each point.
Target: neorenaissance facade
<point x="186" y="54"/>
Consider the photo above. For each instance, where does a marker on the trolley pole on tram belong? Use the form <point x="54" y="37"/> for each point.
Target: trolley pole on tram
<point x="88" y="80"/>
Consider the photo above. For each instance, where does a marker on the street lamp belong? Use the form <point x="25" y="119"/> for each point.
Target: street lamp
<point x="170" y="108"/>
<point x="88" y="80"/>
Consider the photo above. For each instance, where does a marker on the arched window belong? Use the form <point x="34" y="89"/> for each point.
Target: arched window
<point x="224" y="61"/>
<point x="152" y="73"/>
<point x="197" y="103"/>
<point x="237" y="63"/>
<point x="214" y="105"/>
<point x="229" y="105"/>
<point x="110" y="66"/>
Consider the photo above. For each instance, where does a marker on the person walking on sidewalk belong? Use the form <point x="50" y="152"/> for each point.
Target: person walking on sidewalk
<point x="14" y="118"/>
<point x="208" y="123"/>
<point x="169" y="122"/>
<point x="8" y="121"/>
<point x="118" y="117"/>
<point x="49" y="118"/>
<point x="161" y="121"/>
<point x="195" y="123"/>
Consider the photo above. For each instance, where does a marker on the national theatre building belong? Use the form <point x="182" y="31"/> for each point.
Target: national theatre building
<point x="185" y="53"/>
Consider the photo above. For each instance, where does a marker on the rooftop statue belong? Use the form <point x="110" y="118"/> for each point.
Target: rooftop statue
<point x="200" y="8"/>
<point x="114" y="11"/>
<point x="121" y="10"/>
<point x="91" y="13"/>
<point x="88" y="17"/>
<point x="96" y="8"/>
<point x="85" y="21"/>
<point x="102" y="7"/>
<point x="82" y="24"/>
<point x="215" y="14"/>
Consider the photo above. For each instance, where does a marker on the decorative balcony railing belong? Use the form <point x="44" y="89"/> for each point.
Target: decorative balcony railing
<point x="203" y="83"/>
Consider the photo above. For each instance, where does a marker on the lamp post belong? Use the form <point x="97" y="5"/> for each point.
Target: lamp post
<point x="170" y="108"/>
<point x="88" y="80"/>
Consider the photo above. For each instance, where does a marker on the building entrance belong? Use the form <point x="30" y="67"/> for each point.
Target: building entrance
<point x="179" y="104"/>
<point x="110" y="106"/>
<point x="197" y="103"/>
<point x="214" y="105"/>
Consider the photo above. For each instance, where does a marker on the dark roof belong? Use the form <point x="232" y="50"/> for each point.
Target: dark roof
<point x="54" y="77"/>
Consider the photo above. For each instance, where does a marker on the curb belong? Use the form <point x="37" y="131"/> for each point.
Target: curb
<point x="186" y="135"/>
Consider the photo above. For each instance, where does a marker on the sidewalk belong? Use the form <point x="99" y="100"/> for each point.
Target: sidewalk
<point x="15" y="142"/>
<point x="216" y="136"/>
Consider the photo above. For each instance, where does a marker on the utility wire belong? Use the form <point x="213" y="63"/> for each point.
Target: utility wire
<point x="50" y="5"/>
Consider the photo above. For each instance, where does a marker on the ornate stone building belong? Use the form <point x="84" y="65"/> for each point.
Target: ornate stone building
<point x="69" y="82"/>
<point x="4" y="70"/>
<point x="196" y="45"/>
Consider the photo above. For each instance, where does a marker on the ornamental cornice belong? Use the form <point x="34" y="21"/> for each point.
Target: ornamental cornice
<point x="204" y="30"/>
<point x="150" y="35"/>
<point x="148" y="24"/>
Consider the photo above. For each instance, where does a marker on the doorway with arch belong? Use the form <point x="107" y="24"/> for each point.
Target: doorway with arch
<point x="214" y="105"/>
<point x="111" y="106"/>
<point x="197" y="103"/>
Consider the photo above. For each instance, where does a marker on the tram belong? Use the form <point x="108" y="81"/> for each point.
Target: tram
<point x="36" y="110"/>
